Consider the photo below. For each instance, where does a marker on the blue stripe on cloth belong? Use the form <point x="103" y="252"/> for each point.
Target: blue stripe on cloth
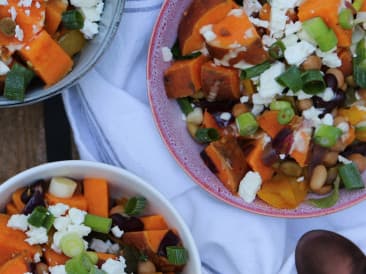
<point x="106" y="153"/>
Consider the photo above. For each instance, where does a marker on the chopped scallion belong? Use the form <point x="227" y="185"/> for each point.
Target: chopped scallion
<point x="72" y="19"/>
<point x="72" y="244"/>
<point x="177" y="255"/>
<point x="285" y="116"/>
<point x="350" y="176"/>
<point x="357" y="4"/>
<point x="178" y="56"/>
<point x="246" y="124"/>
<point x="16" y="82"/>
<point x="255" y="70"/>
<point x="277" y="50"/>
<point x="327" y="136"/>
<point x="135" y="205"/>
<point x="359" y="64"/>
<point x="279" y="105"/>
<point x="80" y="264"/>
<point x="40" y="216"/>
<point x="207" y="135"/>
<point x="313" y="82"/>
<point x="330" y="200"/>
<point x="97" y="223"/>
<point x="185" y="105"/>
<point x="291" y="78"/>
<point x="345" y="18"/>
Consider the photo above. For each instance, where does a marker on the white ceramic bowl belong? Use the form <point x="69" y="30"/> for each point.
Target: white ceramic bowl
<point x="83" y="62"/>
<point x="120" y="182"/>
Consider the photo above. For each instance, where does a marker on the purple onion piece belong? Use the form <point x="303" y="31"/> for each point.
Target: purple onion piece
<point x="37" y="199"/>
<point x="170" y="239"/>
<point x="29" y="191"/>
<point x="269" y="156"/>
<point x="337" y="101"/>
<point x="283" y="141"/>
<point x="355" y="148"/>
<point x="216" y="106"/>
<point x="127" y="224"/>
<point x="207" y="160"/>
<point x="331" y="81"/>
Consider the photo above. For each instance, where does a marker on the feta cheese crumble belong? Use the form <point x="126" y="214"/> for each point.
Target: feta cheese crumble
<point x="268" y="86"/>
<point x="249" y="186"/>
<point x="18" y="221"/>
<point x="57" y="269"/>
<point x="117" y="232"/>
<point x="167" y="54"/>
<point x="115" y="266"/>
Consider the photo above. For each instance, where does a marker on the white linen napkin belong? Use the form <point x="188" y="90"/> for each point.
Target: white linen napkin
<point x="112" y="123"/>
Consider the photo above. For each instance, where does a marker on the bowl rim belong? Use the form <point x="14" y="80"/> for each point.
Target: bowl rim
<point x="54" y="89"/>
<point x="122" y="173"/>
<point x="288" y="214"/>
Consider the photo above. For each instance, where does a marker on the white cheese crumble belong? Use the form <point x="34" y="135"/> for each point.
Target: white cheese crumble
<point x="249" y="186"/>
<point x="257" y="109"/>
<point x="4" y="69"/>
<point x="18" y="221"/>
<point x="25" y="3"/>
<point x="207" y="33"/>
<point x="343" y="160"/>
<point x="3" y="2"/>
<point x="344" y="126"/>
<point x="268" y="86"/>
<point x="27" y="12"/>
<point x="77" y="216"/>
<point x="312" y="114"/>
<point x="167" y="54"/>
<point x="89" y="29"/>
<point x="61" y="223"/>
<point x="291" y="27"/>
<point x="329" y="58"/>
<point x="90" y="13"/>
<point x="19" y="34"/>
<point x="13" y="13"/>
<point x="37" y="257"/>
<point x="58" y="209"/>
<point x="327" y="119"/>
<point x="327" y="95"/>
<point x="57" y="269"/>
<point x="99" y="245"/>
<point x="300" y="179"/>
<point x="84" y="3"/>
<point x="259" y="23"/>
<point x="251" y="6"/>
<point x="36" y="235"/>
<point x="235" y="12"/>
<point x="114" y="266"/>
<point x="297" y="53"/>
<point x="117" y="232"/>
<point x="244" y="99"/>
<point x="282" y="156"/>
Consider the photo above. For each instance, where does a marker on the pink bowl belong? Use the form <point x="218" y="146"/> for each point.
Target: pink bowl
<point x="168" y="119"/>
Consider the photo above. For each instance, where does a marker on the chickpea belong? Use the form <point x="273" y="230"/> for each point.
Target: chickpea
<point x="239" y="109"/>
<point x="318" y="178"/>
<point x="312" y="62"/>
<point x="359" y="160"/>
<point x="339" y="119"/>
<point x="330" y="159"/>
<point x="145" y="267"/>
<point x="339" y="146"/>
<point x="338" y="74"/>
<point x="304" y="104"/>
<point x="332" y="175"/>
<point x="192" y="129"/>
<point x="323" y="190"/>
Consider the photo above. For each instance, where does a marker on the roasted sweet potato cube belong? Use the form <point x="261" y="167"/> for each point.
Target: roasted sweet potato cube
<point x="147" y="240"/>
<point x="199" y="14"/>
<point x="236" y="40"/>
<point x="220" y="83"/>
<point x="183" y="78"/>
<point x="227" y="160"/>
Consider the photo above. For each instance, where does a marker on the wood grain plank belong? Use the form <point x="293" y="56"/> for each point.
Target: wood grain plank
<point x="22" y="142"/>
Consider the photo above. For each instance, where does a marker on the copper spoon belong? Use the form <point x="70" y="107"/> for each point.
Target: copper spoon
<point x="326" y="252"/>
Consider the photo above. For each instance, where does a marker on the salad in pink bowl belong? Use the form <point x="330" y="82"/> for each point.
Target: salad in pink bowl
<point x="263" y="105"/>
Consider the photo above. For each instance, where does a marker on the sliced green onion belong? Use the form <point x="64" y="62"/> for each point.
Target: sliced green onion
<point x="246" y="124"/>
<point x="319" y="31"/>
<point x="40" y="216"/>
<point x="285" y="116"/>
<point x="17" y="81"/>
<point x="327" y="136"/>
<point x="345" y="18"/>
<point x="97" y="223"/>
<point x="255" y="70"/>
<point x="279" y="105"/>
<point x="350" y="176"/>
<point x="135" y="205"/>
<point x="313" y="82"/>
<point x="359" y="64"/>
<point x="80" y="264"/>
<point x="207" y="135"/>
<point x="277" y="50"/>
<point x="93" y="257"/>
<point x="72" y="244"/>
<point x="72" y="19"/>
<point x="330" y="200"/>
<point x="357" y="4"/>
<point x="185" y="105"/>
<point x="177" y="255"/>
<point x="291" y="78"/>
<point x="95" y="270"/>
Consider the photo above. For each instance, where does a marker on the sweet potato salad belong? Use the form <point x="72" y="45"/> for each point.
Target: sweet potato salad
<point x="38" y="39"/>
<point x="64" y="226"/>
<point x="275" y="91"/>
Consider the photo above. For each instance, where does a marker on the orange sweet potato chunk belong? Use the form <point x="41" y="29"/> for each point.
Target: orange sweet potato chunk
<point x="17" y="265"/>
<point x="199" y="14"/>
<point x="236" y="39"/>
<point x="147" y="240"/>
<point x="17" y="245"/>
<point x="54" y="10"/>
<point x="254" y="160"/>
<point x="228" y="160"/>
<point x="220" y="83"/>
<point x="48" y="60"/>
<point x="183" y="77"/>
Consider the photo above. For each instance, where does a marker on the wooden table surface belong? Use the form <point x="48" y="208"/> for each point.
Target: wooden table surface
<point x="23" y="139"/>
